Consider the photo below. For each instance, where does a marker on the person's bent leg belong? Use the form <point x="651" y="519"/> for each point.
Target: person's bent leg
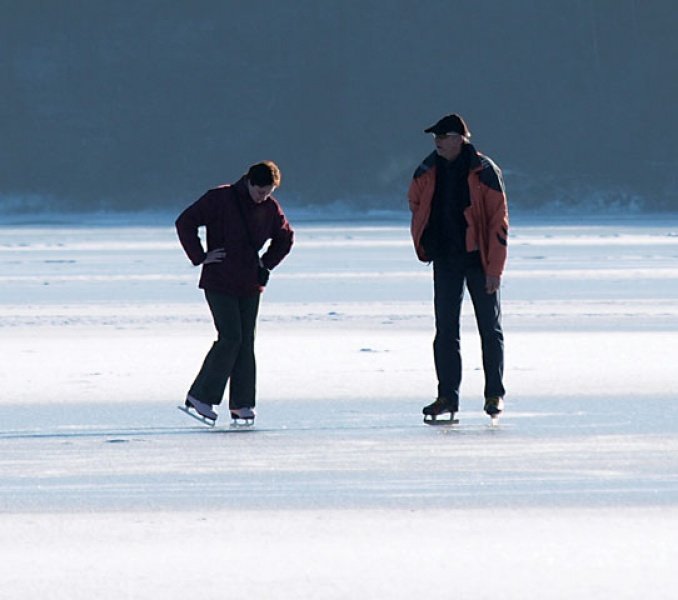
<point x="210" y="383"/>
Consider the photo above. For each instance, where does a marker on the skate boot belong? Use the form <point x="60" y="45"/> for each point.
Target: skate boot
<point x="243" y="416"/>
<point x="494" y="406"/>
<point x="441" y="406"/>
<point x="200" y="410"/>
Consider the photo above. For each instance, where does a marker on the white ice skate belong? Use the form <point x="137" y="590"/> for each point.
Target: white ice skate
<point x="243" y="417"/>
<point x="200" y="411"/>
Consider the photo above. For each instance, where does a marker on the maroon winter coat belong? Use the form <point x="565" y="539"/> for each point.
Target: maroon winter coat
<point x="218" y="211"/>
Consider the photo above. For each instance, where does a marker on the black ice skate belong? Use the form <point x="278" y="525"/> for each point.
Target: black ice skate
<point x="442" y="406"/>
<point x="243" y="417"/>
<point x="494" y="407"/>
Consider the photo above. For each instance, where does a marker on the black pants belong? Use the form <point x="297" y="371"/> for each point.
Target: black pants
<point x="232" y="355"/>
<point x="449" y="276"/>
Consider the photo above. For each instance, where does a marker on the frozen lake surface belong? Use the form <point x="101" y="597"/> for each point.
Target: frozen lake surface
<point x="108" y="491"/>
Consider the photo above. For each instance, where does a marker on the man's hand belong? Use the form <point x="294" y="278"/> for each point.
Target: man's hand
<point x="492" y="284"/>
<point x="214" y="256"/>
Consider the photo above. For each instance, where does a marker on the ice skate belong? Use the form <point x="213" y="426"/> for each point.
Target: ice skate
<point x="494" y="407"/>
<point x="442" y="406"/>
<point x="200" y="411"/>
<point x="243" y="417"/>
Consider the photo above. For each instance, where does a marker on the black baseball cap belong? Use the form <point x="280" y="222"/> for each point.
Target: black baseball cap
<point x="449" y="124"/>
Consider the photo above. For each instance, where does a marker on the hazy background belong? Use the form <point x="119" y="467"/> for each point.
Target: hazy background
<point x="144" y="104"/>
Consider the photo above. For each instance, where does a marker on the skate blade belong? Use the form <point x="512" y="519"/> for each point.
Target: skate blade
<point x="440" y="422"/>
<point x="191" y="412"/>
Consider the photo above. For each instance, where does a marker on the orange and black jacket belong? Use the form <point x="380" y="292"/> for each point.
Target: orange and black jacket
<point x="486" y="216"/>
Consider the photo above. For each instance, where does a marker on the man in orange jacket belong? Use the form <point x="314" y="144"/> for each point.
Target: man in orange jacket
<point x="460" y="223"/>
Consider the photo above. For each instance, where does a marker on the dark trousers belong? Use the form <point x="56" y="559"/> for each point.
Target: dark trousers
<point x="449" y="277"/>
<point x="232" y="355"/>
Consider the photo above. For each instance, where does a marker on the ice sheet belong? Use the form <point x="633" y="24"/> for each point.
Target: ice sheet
<point x="108" y="491"/>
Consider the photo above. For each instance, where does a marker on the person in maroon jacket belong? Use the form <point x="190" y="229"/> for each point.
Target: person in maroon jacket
<point x="239" y="219"/>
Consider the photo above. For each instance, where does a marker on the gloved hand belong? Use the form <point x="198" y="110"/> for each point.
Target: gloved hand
<point x="214" y="256"/>
<point x="262" y="275"/>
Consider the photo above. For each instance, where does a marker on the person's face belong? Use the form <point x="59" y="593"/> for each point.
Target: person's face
<point x="448" y="145"/>
<point x="259" y="193"/>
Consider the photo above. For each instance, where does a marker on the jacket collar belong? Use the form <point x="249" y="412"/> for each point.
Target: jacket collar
<point x="475" y="163"/>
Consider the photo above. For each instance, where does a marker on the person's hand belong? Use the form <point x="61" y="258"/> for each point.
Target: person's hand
<point x="492" y="284"/>
<point x="214" y="256"/>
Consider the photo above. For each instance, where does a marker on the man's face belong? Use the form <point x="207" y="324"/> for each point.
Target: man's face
<point x="259" y="193"/>
<point x="448" y="145"/>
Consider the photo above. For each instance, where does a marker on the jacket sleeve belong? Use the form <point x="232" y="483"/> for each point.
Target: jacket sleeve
<point x="419" y="195"/>
<point x="416" y="220"/>
<point x="282" y="238"/>
<point x="187" y="225"/>
<point x="496" y="208"/>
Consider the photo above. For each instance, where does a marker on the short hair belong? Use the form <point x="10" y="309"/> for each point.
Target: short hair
<point x="264" y="173"/>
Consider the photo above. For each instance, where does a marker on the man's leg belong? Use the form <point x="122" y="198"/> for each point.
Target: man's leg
<point x="487" y="309"/>
<point x="448" y="290"/>
<point x="242" y="390"/>
<point x="210" y="383"/>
